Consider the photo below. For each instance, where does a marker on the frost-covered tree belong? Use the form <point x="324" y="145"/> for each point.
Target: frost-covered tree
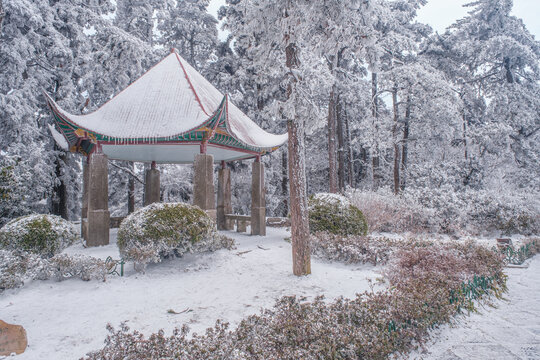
<point x="344" y="33"/>
<point x="44" y="47"/>
<point x="287" y="39"/>
<point x="137" y="17"/>
<point x="493" y="61"/>
<point x="2" y="14"/>
<point x="69" y="50"/>
<point x="188" y="27"/>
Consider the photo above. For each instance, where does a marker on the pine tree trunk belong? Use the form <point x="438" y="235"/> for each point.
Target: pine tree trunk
<point x="131" y="188"/>
<point x="284" y="182"/>
<point x="395" y="139"/>
<point x="297" y="171"/>
<point x="405" y="147"/>
<point x="349" y="151"/>
<point x="192" y="50"/>
<point x="332" y="154"/>
<point x="59" y="199"/>
<point x="150" y="27"/>
<point x="375" y="112"/>
<point x="2" y="14"/>
<point x="299" y="210"/>
<point x="341" y="145"/>
<point x="465" y="149"/>
<point x="363" y="168"/>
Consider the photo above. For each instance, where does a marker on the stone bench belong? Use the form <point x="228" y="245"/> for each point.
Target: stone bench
<point x="241" y="221"/>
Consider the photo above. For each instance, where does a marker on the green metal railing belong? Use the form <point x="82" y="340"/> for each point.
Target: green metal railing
<point x="112" y="266"/>
<point x="518" y="257"/>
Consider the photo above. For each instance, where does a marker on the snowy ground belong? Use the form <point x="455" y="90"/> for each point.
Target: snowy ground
<point x="65" y="320"/>
<point x="509" y="331"/>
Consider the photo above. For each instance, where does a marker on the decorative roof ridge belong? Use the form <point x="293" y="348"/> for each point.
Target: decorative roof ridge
<point x="178" y="57"/>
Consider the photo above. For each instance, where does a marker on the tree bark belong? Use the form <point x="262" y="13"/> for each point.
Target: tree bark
<point x="2" y="14"/>
<point x="131" y="188"/>
<point x="405" y="147"/>
<point x="332" y="155"/>
<point x="297" y="172"/>
<point x="341" y="145"/>
<point x="364" y="160"/>
<point x="395" y="139"/>
<point x="465" y="149"/>
<point x="284" y="182"/>
<point x="349" y="151"/>
<point x="375" y="161"/>
<point x="59" y="199"/>
<point x="299" y="210"/>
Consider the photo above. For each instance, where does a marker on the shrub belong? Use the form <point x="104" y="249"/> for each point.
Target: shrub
<point x="478" y="212"/>
<point x="386" y="212"/>
<point x="425" y="290"/>
<point x="160" y="230"/>
<point x="45" y="235"/>
<point x="352" y="249"/>
<point x="16" y="267"/>
<point x="445" y="210"/>
<point x="335" y="214"/>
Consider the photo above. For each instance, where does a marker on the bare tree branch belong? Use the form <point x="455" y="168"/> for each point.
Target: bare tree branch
<point x="128" y="171"/>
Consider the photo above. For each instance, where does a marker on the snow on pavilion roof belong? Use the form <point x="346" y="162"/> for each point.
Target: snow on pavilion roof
<point x="165" y="116"/>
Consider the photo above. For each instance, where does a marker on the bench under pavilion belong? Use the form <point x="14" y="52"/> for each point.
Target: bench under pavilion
<point x="170" y="115"/>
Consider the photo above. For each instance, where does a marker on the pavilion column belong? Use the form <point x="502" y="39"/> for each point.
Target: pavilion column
<point x="98" y="200"/>
<point x="203" y="184"/>
<point x="151" y="185"/>
<point x="224" y="205"/>
<point x="84" y="207"/>
<point x="258" y="202"/>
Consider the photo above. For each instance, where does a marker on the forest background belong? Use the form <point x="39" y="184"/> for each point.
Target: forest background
<point x="440" y="127"/>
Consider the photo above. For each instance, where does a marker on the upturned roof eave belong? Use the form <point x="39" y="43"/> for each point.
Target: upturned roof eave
<point x="249" y="148"/>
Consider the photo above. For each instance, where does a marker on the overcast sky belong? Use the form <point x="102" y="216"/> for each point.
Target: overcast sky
<point x="441" y="13"/>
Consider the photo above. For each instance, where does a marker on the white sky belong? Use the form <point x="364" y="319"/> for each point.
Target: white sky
<point x="442" y="13"/>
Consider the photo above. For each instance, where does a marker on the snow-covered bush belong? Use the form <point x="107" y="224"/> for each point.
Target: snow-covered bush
<point x="426" y="283"/>
<point x="480" y="211"/>
<point x="16" y="267"/>
<point x="352" y="249"/>
<point x="45" y="235"/>
<point x="386" y="212"/>
<point x="335" y="214"/>
<point x="472" y="212"/>
<point x="161" y="230"/>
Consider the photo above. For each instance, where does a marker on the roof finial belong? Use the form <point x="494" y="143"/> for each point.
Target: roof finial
<point x="173" y="50"/>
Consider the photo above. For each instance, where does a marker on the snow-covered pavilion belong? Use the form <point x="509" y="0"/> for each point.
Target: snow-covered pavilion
<point x="171" y="114"/>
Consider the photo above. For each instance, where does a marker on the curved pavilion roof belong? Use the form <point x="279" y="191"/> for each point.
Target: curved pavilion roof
<point x="165" y="116"/>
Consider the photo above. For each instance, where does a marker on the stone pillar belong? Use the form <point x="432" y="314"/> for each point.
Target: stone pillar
<point x="151" y="185"/>
<point x="84" y="207"/>
<point x="258" y="202"/>
<point x="224" y="205"/>
<point x="98" y="200"/>
<point x="203" y="184"/>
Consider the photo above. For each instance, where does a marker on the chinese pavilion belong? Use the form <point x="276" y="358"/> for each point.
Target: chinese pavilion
<point x="171" y="114"/>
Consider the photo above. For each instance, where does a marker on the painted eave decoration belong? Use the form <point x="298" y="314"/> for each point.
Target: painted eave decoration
<point x="165" y="116"/>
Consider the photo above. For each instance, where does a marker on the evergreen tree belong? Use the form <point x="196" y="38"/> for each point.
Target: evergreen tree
<point x="190" y="29"/>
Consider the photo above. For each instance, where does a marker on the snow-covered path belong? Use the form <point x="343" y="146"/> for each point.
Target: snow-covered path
<point x="65" y="320"/>
<point x="509" y="331"/>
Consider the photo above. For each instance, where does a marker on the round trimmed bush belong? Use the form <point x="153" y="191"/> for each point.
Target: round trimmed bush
<point x="45" y="235"/>
<point x="160" y="230"/>
<point x="335" y="214"/>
